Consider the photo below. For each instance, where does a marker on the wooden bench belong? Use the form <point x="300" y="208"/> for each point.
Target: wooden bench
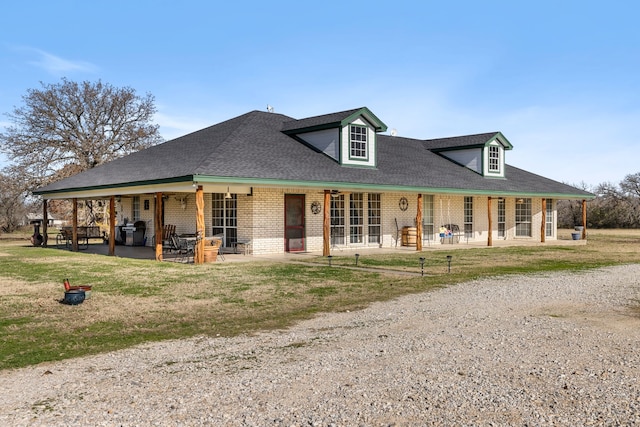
<point x="65" y="236"/>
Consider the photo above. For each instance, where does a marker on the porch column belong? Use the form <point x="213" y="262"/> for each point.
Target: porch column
<point x="326" y="224"/>
<point x="543" y="226"/>
<point x="45" y="223"/>
<point x="489" y="217"/>
<point x="74" y="232"/>
<point x="199" y="255"/>
<point x="584" y="219"/>
<point x="419" y="224"/>
<point x="159" y="226"/>
<point x="112" y="226"/>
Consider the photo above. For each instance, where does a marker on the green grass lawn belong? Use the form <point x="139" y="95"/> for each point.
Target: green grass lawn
<point x="135" y="301"/>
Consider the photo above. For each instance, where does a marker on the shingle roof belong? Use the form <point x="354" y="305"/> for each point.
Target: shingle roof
<point x="310" y="122"/>
<point x="254" y="146"/>
<point x="458" y="141"/>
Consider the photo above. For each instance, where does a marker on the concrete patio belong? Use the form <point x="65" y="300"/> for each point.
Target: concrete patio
<point x="145" y="252"/>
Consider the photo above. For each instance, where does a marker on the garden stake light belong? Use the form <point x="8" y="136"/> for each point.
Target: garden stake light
<point x="357" y="256"/>
<point x="422" y="265"/>
<point x="449" y="262"/>
<point x="329" y="257"/>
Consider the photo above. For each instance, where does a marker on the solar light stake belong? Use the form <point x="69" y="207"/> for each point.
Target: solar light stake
<point x="449" y="262"/>
<point x="357" y="256"/>
<point x="329" y="257"/>
<point x="422" y="265"/>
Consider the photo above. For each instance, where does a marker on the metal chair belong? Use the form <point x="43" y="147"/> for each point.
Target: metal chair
<point x="183" y="249"/>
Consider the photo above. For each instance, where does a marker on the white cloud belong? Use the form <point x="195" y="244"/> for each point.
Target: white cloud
<point x="57" y="65"/>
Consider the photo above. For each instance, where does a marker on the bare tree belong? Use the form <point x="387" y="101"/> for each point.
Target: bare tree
<point x="69" y="127"/>
<point x="631" y="184"/>
<point x="13" y="208"/>
<point x="570" y="211"/>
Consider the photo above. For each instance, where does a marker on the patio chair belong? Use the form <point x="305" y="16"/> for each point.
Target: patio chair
<point x="171" y="244"/>
<point x="427" y="233"/>
<point x="186" y="248"/>
<point x="167" y="231"/>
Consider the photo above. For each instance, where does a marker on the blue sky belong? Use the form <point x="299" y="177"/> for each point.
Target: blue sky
<point x="560" y="79"/>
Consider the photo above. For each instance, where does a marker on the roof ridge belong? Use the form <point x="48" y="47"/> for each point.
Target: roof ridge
<point x="462" y="136"/>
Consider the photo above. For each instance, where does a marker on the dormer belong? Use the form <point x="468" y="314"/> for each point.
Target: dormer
<point x="348" y="137"/>
<point x="482" y="153"/>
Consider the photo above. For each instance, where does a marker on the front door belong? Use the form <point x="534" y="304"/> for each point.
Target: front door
<point x="294" y="222"/>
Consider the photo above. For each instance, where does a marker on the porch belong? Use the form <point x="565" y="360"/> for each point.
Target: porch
<point x="146" y="252"/>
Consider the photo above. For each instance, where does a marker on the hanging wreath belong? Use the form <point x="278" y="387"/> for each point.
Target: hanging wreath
<point x="316" y="207"/>
<point x="404" y="204"/>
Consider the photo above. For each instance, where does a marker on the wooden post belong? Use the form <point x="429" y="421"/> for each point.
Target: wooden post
<point x="584" y="219"/>
<point x="489" y="217"/>
<point x="45" y="223"/>
<point x="159" y="226"/>
<point x="419" y="224"/>
<point x="326" y="224"/>
<point x="543" y="227"/>
<point x="74" y="232"/>
<point x="112" y="226"/>
<point x="198" y="257"/>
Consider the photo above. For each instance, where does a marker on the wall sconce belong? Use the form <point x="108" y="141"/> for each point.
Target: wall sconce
<point x="520" y="201"/>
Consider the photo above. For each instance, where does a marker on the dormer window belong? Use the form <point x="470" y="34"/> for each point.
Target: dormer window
<point x="494" y="159"/>
<point x="348" y="137"/>
<point x="358" y="141"/>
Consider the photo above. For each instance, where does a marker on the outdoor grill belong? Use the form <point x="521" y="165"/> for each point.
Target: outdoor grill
<point x="134" y="233"/>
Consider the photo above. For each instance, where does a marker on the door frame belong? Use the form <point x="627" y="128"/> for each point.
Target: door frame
<point x="302" y="227"/>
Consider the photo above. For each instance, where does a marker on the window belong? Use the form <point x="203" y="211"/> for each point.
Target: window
<point x="356" y="218"/>
<point x="358" y="139"/>
<point x="224" y="218"/>
<point x="502" y="222"/>
<point x="523" y="217"/>
<point x="427" y="218"/>
<point x="494" y="158"/>
<point x="468" y="217"/>
<point x="374" y="218"/>
<point x="135" y="208"/>
<point x="548" y="227"/>
<point x="337" y="220"/>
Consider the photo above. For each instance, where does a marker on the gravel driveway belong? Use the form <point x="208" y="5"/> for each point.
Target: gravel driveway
<point x="556" y="349"/>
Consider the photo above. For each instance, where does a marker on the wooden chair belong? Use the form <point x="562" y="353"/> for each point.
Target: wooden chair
<point x="167" y="231"/>
<point x="167" y="243"/>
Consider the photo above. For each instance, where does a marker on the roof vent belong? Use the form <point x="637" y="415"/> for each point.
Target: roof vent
<point x="269" y="109"/>
<point x="394" y="132"/>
